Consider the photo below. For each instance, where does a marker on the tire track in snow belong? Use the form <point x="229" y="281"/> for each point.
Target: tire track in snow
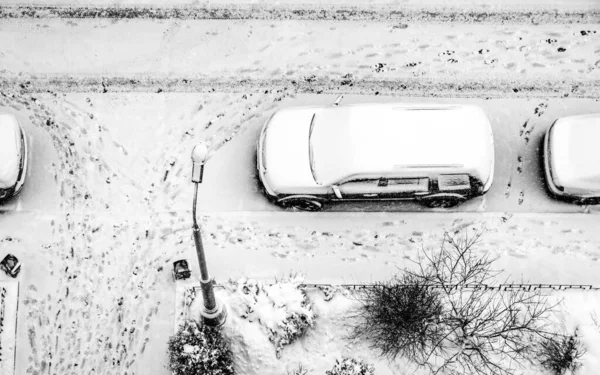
<point x="310" y="12"/>
<point x="405" y="86"/>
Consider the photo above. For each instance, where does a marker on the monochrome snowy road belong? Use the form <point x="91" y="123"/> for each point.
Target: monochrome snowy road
<point x="113" y="96"/>
<point x="254" y="56"/>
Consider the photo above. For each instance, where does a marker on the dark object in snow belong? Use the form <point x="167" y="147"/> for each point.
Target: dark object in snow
<point x="560" y="354"/>
<point x="10" y="264"/>
<point x="300" y="370"/>
<point x="181" y="270"/>
<point x="561" y="49"/>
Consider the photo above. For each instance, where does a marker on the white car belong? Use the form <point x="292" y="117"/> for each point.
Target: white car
<point x="13" y="156"/>
<point x="439" y="154"/>
<point x="572" y="159"/>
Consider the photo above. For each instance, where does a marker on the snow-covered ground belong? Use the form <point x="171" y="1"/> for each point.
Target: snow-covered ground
<point x="461" y="5"/>
<point x="136" y="137"/>
<point x="424" y="59"/>
<point x="112" y="174"/>
<point x="9" y="304"/>
<point x="106" y="206"/>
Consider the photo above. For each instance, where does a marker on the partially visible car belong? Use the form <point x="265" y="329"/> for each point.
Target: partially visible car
<point x="13" y="156"/>
<point x="438" y="154"/>
<point x="572" y="158"/>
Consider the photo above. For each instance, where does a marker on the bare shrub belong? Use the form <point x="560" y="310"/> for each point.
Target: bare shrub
<point x="465" y="327"/>
<point x="398" y="317"/>
<point x="561" y="354"/>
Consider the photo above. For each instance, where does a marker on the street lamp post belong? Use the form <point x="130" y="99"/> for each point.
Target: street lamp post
<point x="213" y="313"/>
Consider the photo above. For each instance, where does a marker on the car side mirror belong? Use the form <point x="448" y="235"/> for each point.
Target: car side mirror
<point x="336" y="191"/>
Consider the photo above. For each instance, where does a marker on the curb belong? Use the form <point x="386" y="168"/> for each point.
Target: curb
<point x="9" y="310"/>
<point x="403" y="86"/>
<point x="371" y="13"/>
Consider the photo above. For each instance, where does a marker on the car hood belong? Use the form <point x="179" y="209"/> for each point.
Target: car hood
<point x="10" y="151"/>
<point x="286" y="151"/>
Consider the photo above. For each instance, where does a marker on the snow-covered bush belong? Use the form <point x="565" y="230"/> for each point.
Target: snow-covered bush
<point x="351" y="366"/>
<point x="282" y="309"/>
<point x="199" y="350"/>
<point x="561" y="354"/>
<point x="329" y="291"/>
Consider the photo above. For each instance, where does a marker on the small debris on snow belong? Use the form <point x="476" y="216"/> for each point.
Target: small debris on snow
<point x="379" y="67"/>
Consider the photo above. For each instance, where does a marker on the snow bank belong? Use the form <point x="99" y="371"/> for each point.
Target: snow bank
<point x="9" y="302"/>
<point x="282" y="309"/>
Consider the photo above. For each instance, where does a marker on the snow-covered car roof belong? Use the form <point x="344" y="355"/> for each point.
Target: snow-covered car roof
<point x="575" y="159"/>
<point x="365" y="139"/>
<point x="10" y="150"/>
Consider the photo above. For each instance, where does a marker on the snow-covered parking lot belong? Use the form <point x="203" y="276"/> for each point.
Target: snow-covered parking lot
<point x="113" y="106"/>
<point x="145" y="139"/>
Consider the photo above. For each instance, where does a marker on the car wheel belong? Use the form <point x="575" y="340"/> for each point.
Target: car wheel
<point x="302" y="204"/>
<point x="442" y="202"/>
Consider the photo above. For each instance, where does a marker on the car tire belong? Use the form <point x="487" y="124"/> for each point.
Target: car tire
<point x="445" y="201"/>
<point x="302" y="203"/>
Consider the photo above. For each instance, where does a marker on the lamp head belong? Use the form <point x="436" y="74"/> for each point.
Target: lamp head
<point x="199" y="153"/>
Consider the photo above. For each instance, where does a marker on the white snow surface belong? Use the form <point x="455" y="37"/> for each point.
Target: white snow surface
<point x="9" y="304"/>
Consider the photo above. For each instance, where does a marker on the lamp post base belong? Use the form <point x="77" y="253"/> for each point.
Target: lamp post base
<point x="214" y="318"/>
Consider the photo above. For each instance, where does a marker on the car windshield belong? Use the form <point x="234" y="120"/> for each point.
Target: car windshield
<point x="311" y="157"/>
